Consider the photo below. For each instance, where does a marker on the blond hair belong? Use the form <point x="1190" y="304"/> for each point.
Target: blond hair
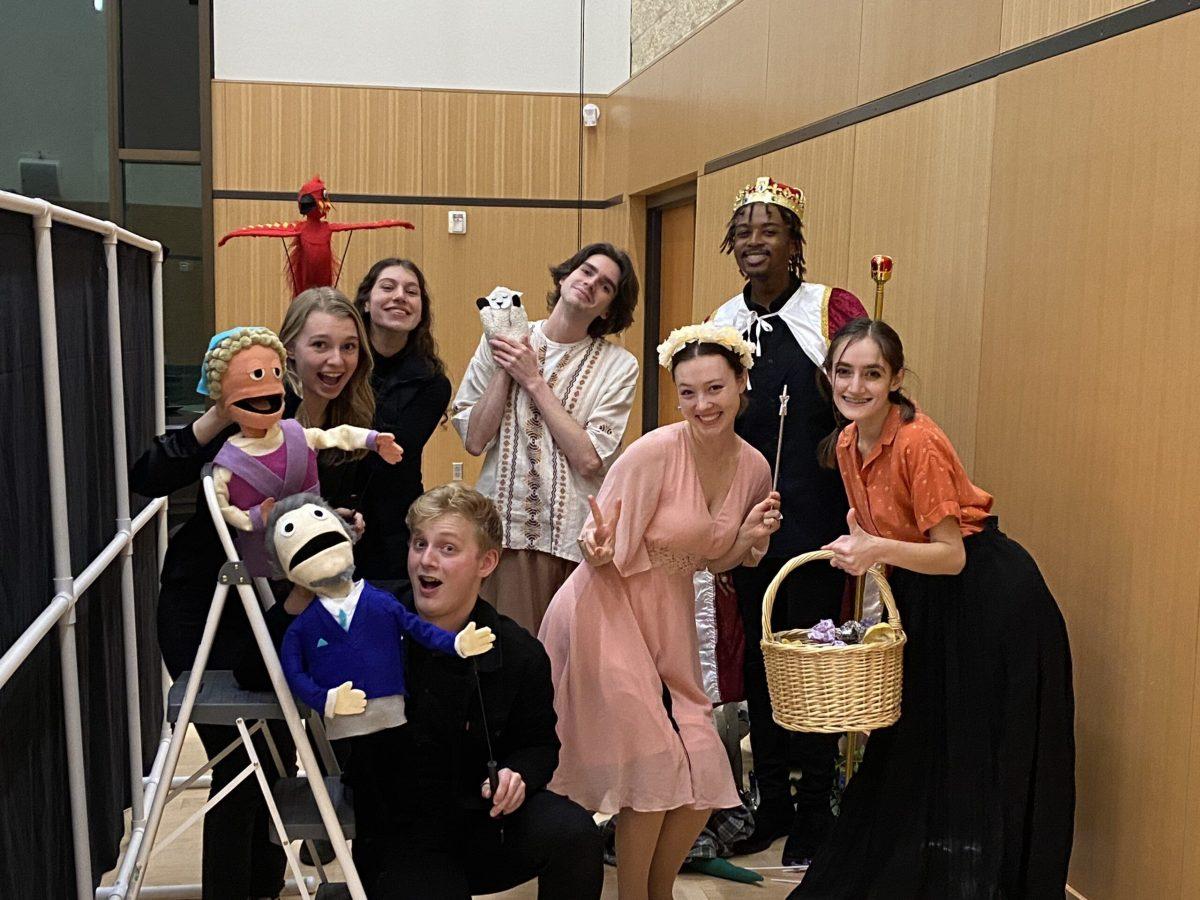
<point x="216" y="360"/>
<point x="462" y="500"/>
<point x="355" y="405"/>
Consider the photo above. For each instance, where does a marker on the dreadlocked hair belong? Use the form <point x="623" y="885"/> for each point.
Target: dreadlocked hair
<point x="790" y="219"/>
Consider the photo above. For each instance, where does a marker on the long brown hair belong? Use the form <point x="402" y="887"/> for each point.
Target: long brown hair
<point x="355" y="405"/>
<point x="890" y="348"/>
<point x="421" y="339"/>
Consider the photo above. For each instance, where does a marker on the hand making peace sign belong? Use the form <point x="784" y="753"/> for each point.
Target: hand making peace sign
<point x="598" y="541"/>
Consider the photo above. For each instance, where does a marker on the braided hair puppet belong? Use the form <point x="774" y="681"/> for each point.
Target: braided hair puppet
<point x="271" y="457"/>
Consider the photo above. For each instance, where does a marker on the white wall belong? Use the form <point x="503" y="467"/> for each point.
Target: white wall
<point x="508" y="45"/>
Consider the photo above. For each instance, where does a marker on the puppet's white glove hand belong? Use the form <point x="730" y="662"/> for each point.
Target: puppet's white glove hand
<point x="345" y="700"/>
<point x="472" y="641"/>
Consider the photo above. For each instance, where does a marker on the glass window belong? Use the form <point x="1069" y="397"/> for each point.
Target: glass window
<point x="54" y="103"/>
<point x="160" y="75"/>
<point x="163" y="202"/>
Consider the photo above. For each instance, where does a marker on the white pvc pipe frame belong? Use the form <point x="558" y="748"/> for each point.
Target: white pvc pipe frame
<point x="68" y="588"/>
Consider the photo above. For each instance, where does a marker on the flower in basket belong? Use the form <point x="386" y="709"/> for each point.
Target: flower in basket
<point x="825" y="632"/>
<point x="851" y="632"/>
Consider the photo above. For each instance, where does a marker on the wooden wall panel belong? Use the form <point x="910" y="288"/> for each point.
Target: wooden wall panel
<point x="730" y="67"/>
<point x="1089" y="442"/>
<point x="616" y="119"/>
<point x="921" y="187"/>
<point x="716" y="276"/>
<point x="249" y="272"/>
<point x="680" y="121"/>
<point x="499" y="145"/>
<point x="675" y="296"/>
<point x="718" y="75"/>
<point x="905" y="42"/>
<point x="653" y="152"/>
<point x="595" y="152"/>
<point x="1029" y="20"/>
<point x="1190" y="864"/>
<point x="824" y="169"/>
<point x="624" y="226"/>
<point x="274" y="137"/>
<point x="812" y="61"/>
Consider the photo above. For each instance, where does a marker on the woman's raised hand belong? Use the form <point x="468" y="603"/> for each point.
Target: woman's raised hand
<point x="763" y="520"/>
<point x="854" y="552"/>
<point x="598" y="541"/>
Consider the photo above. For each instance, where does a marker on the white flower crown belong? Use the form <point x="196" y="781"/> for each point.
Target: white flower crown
<point x="705" y="333"/>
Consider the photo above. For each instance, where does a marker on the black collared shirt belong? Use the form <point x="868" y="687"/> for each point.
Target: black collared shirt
<point x="429" y="772"/>
<point x="813" y="500"/>
<point x="776" y="304"/>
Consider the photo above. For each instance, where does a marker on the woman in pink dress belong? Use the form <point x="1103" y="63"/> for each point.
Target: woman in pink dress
<point x="636" y="727"/>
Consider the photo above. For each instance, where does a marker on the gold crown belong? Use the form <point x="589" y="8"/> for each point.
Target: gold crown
<point x="768" y="190"/>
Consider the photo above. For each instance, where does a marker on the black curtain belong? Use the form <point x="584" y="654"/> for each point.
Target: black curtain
<point x="137" y="359"/>
<point x="35" y="824"/>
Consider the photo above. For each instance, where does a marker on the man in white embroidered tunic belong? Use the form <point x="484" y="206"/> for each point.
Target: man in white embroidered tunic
<point x="549" y="412"/>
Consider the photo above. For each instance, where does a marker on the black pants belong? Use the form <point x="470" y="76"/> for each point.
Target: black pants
<point x="548" y="838"/>
<point x="811" y="593"/>
<point x="972" y="792"/>
<point x="239" y="860"/>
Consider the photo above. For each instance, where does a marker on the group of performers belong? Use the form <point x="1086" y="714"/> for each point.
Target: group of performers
<point x="579" y="558"/>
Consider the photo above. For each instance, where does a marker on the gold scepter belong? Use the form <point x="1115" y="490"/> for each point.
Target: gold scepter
<point x="881" y="271"/>
<point x="783" y="402"/>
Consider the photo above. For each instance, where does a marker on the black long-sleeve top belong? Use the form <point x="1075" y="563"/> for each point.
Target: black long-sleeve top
<point x="813" y="499"/>
<point x="194" y="555"/>
<point x="426" y="774"/>
<point x="410" y="400"/>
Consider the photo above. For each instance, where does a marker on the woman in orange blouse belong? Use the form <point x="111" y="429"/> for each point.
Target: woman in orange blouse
<point x="971" y="794"/>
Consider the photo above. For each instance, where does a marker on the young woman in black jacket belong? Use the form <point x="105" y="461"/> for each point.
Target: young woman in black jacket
<point x="412" y="394"/>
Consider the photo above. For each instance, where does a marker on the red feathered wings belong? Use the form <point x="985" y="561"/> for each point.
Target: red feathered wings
<point x="310" y="253"/>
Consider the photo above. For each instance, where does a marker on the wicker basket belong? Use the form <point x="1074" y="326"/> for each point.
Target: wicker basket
<point x="819" y="687"/>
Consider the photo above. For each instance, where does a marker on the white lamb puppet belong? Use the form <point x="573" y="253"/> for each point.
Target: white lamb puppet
<point x="502" y="314"/>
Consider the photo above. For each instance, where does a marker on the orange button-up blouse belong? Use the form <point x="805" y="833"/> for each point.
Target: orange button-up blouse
<point x="910" y="481"/>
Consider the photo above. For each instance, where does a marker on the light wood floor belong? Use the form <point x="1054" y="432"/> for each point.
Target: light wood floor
<point x="180" y="862"/>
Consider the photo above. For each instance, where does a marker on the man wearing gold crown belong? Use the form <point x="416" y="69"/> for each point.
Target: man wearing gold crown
<point x="788" y="323"/>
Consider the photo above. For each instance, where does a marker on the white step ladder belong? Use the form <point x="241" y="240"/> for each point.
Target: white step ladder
<point x="309" y="807"/>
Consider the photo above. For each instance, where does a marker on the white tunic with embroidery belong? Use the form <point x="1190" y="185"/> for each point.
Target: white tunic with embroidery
<point x="542" y="501"/>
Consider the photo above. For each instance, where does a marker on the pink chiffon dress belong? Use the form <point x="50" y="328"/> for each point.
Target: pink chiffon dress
<point x="619" y="634"/>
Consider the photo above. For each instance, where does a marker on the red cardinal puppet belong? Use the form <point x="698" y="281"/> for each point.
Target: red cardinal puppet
<point x="310" y="256"/>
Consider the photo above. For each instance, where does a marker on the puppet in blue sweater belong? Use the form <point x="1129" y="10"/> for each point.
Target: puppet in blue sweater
<point x="344" y="655"/>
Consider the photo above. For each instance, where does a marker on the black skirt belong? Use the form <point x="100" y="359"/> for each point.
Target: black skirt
<point x="971" y="794"/>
